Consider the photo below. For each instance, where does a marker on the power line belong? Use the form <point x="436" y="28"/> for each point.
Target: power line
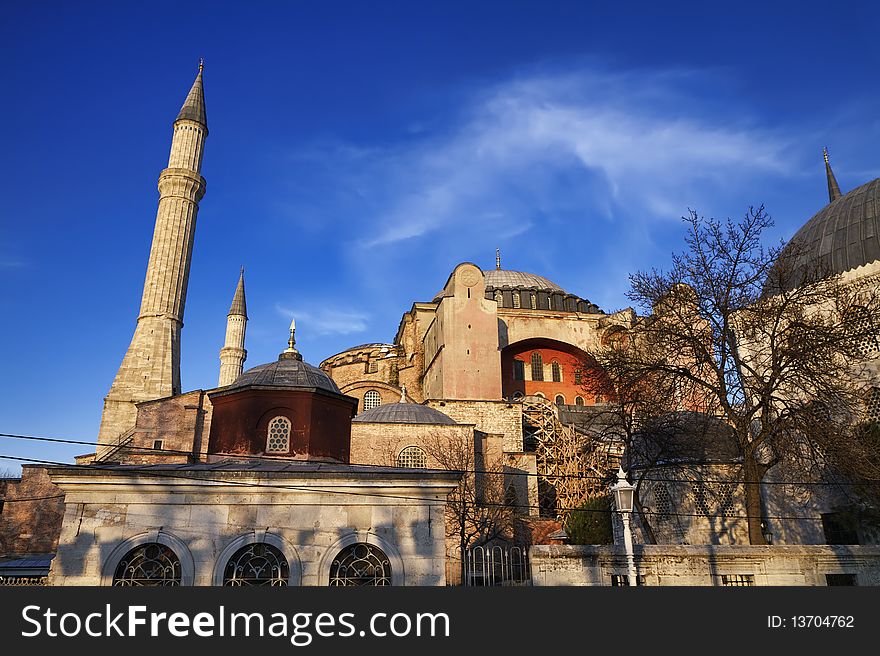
<point x="580" y="476"/>
<point x="159" y="474"/>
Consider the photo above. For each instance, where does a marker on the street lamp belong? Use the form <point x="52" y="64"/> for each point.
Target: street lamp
<point x="623" y="501"/>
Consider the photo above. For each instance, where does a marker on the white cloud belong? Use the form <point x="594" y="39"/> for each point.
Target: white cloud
<point x="547" y="143"/>
<point x="326" y="321"/>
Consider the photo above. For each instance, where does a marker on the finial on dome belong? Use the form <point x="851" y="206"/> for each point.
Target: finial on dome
<point x="290" y="351"/>
<point x="498" y="259"/>
<point x="833" y="189"/>
<point x="201" y="64"/>
<point x="403" y="394"/>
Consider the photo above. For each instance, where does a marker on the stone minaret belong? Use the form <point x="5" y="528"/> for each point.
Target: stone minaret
<point x="151" y="366"/>
<point x="233" y="354"/>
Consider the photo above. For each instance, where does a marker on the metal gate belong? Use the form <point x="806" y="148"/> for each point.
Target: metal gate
<point x="497" y="565"/>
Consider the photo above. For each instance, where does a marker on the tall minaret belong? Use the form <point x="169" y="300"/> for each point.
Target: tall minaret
<point x="233" y="354"/>
<point x="151" y="366"/>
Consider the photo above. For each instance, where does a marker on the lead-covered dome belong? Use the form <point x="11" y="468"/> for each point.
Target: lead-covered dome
<point x="501" y="278"/>
<point x="286" y="372"/>
<point x="404" y="413"/>
<point x="842" y="236"/>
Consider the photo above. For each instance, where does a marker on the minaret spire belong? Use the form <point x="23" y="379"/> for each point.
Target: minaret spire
<point x="498" y="258"/>
<point x="151" y="366"/>
<point x="833" y="189"/>
<point x="233" y="353"/>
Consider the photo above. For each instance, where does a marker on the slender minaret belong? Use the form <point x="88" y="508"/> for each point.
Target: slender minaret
<point x="151" y="366"/>
<point x="233" y="354"/>
<point x="833" y="189"/>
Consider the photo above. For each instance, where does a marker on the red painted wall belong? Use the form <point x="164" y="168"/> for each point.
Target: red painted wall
<point x="320" y="423"/>
<point x="570" y="359"/>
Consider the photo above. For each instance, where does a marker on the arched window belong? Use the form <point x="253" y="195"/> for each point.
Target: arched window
<point x="498" y="296"/>
<point x="516" y="299"/>
<point x="519" y="370"/>
<point x="518" y="395"/>
<point x="372" y="400"/>
<point x="556" y="371"/>
<point x="578" y="400"/>
<point x="560" y="400"/>
<point x="255" y="565"/>
<point x="533" y="301"/>
<point x="278" y="437"/>
<point x="600" y="398"/>
<point x="148" y="565"/>
<point x="537" y="366"/>
<point x="412" y="456"/>
<point x="540" y="394"/>
<point x="360" y="564"/>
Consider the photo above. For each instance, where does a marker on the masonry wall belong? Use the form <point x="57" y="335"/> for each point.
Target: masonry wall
<point x="380" y="444"/>
<point x="29" y="522"/>
<point x="497" y="417"/>
<point x="554" y="565"/>
<point x="200" y="520"/>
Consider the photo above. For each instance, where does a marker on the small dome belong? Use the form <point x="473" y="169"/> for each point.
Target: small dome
<point x="286" y="372"/>
<point x="499" y="278"/>
<point x="404" y="413"/>
<point x="843" y="235"/>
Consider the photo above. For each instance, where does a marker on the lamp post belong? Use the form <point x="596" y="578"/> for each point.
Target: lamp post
<point x="623" y="501"/>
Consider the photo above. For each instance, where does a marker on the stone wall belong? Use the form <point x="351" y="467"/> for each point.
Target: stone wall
<point x="29" y="522"/>
<point x="498" y="417"/>
<point x="380" y="444"/>
<point x="203" y="517"/>
<point x="554" y="565"/>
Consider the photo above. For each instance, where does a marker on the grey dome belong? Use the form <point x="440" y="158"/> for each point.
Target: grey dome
<point x="404" y="413"/>
<point x="499" y="278"/>
<point x="286" y="372"/>
<point x="844" y="235"/>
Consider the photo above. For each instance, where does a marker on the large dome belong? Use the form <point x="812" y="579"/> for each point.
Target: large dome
<point x="404" y="413"/>
<point x="500" y="278"/>
<point x="285" y="372"/>
<point x="844" y="235"/>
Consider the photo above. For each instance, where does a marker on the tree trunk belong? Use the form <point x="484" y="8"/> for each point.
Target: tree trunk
<point x="753" y="472"/>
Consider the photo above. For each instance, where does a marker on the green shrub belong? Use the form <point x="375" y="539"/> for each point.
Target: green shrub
<point x="591" y="523"/>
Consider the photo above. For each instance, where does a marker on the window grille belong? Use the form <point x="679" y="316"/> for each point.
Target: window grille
<point x="701" y="499"/>
<point x="360" y="564"/>
<point x="412" y="456"/>
<point x="533" y="301"/>
<point x="537" y="366"/>
<point x="861" y="326"/>
<point x="372" y="400"/>
<point x="257" y="564"/>
<point x="149" y="565"/>
<point x="556" y="371"/>
<point x="737" y="580"/>
<point x="662" y="502"/>
<point x="872" y="406"/>
<point x="516" y="300"/>
<point x="278" y="438"/>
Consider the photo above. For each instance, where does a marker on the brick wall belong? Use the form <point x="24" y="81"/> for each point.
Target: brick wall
<point x="29" y="523"/>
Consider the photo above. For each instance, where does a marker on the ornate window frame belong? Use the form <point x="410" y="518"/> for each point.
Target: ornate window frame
<point x="178" y="546"/>
<point x="270" y="437"/>
<point x="376" y="399"/>
<point x="420" y="454"/>
<point x="294" y="565"/>
<point x="398" y="574"/>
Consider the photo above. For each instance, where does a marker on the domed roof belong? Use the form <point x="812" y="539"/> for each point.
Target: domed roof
<point x="844" y="235"/>
<point x="404" y="413"/>
<point x="499" y="278"/>
<point x="286" y="372"/>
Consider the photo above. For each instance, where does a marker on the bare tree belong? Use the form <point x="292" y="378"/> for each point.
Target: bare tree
<point x="738" y="332"/>
<point x="476" y="512"/>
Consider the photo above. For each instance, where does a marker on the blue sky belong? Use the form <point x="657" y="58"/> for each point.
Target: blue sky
<point x="359" y="151"/>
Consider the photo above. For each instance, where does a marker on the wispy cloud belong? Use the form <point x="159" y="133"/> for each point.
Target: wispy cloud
<point x="326" y="321"/>
<point x="528" y="150"/>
